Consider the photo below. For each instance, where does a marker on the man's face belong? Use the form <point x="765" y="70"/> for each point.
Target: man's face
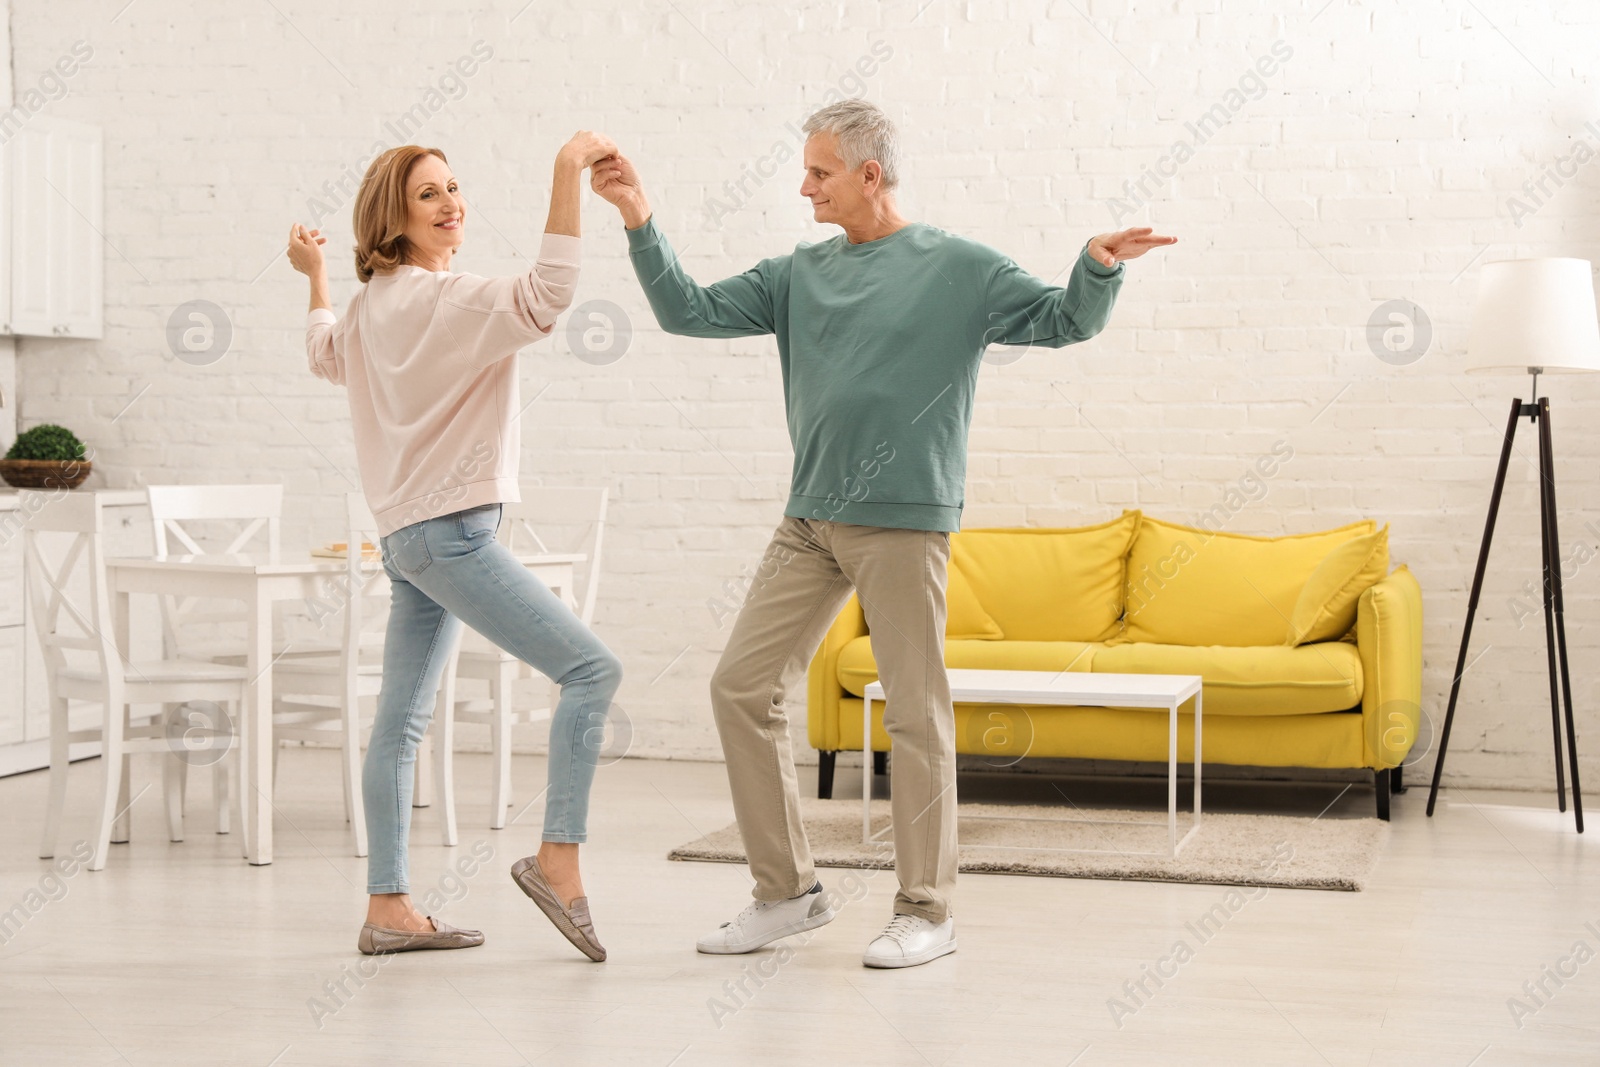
<point x="833" y="189"/>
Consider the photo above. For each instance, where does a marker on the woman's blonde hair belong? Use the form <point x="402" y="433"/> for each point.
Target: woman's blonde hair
<point x="382" y="211"/>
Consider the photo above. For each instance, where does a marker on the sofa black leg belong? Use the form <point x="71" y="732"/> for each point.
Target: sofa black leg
<point x="1395" y="785"/>
<point x="825" y="775"/>
<point x="880" y="763"/>
<point x="1382" y="781"/>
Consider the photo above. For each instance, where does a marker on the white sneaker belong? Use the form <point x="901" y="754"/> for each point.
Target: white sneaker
<point x="910" y="940"/>
<point x="764" y="922"/>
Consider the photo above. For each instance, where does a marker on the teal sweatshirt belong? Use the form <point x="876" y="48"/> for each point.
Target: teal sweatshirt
<point x="880" y="345"/>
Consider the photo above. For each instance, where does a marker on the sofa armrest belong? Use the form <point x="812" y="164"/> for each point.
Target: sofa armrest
<point x="1389" y="640"/>
<point x="823" y="691"/>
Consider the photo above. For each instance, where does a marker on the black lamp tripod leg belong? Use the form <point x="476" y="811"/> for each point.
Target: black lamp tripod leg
<point x="1547" y="482"/>
<point x="1472" y="599"/>
<point x="1547" y="552"/>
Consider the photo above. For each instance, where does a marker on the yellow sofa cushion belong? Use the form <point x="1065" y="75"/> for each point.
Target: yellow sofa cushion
<point x="965" y="619"/>
<point x="1190" y="586"/>
<point x="1268" y="680"/>
<point x="857" y="668"/>
<point x="1050" y="584"/>
<point x="1326" y="607"/>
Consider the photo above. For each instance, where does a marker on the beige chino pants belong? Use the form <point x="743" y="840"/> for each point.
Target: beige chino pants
<point x="804" y="579"/>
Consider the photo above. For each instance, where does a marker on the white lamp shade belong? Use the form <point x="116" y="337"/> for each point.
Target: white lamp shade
<point x="1534" y="313"/>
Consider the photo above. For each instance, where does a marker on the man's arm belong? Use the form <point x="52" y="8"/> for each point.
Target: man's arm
<point x="1024" y="310"/>
<point x="740" y="306"/>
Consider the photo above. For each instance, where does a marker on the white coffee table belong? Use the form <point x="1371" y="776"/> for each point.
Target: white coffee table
<point x="1066" y="689"/>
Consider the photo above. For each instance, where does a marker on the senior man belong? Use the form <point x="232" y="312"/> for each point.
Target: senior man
<point x="880" y="334"/>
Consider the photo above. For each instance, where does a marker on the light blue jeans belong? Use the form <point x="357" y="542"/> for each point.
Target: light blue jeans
<point x="450" y="570"/>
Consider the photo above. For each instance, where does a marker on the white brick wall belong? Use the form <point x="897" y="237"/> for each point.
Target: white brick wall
<point x="1376" y="164"/>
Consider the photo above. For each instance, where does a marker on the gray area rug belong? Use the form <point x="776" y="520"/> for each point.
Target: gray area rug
<point x="1246" y="850"/>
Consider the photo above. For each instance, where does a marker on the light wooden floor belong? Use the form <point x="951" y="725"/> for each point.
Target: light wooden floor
<point x="181" y="954"/>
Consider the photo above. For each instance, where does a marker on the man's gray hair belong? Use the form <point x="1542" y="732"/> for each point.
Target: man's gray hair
<point x="864" y="132"/>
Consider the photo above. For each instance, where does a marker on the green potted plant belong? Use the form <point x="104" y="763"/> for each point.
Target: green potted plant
<point x="46" y="457"/>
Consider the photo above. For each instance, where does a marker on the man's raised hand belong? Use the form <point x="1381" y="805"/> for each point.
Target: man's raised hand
<point x="1109" y="249"/>
<point x="617" y="182"/>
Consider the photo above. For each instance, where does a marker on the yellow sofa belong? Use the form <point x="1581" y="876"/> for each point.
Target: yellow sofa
<point x="1309" y="647"/>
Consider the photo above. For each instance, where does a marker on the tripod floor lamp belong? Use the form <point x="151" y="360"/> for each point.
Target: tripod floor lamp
<point x="1537" y="316"/>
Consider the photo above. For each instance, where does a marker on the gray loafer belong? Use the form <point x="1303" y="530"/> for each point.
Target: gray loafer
<point x="573" y="921"/>
<point x="376" y="940"/>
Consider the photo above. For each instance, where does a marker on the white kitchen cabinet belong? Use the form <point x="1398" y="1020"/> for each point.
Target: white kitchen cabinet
<point x="54" y="217"/>
<point x="6" y="243"/>
<point x="11" y="588"/>
<point x="12" y="649"/>
<point x="13" y="645"/>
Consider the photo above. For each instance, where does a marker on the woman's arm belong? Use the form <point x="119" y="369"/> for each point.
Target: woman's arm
<point x="489" y="319"/>
<point x="305" y="253"/>
<point x="323" y="347"/>
<point x="584" y="150"/>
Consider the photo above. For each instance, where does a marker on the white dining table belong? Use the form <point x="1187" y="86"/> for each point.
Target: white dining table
<point x="258" y="581"/>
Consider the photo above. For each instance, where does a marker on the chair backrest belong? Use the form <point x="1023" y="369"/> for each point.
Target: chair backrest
<point x="63" y="544"/>
<point x="177" y="514"/>
<point x="561" y="519"/>
<point x="260" y="507"/>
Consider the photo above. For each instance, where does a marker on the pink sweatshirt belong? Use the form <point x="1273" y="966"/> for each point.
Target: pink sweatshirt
<point x="425" y="357"/>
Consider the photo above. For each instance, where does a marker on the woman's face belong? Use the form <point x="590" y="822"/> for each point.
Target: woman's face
<point x="436" y="214"/>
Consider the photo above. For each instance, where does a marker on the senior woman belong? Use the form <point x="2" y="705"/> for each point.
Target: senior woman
<point x="426" y="358"/>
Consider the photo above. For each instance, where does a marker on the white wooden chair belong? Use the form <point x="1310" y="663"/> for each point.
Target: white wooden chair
<point x="320" y="697"/>
<point x="186" y="520"/>
<point x="548" y="519"/>
<point x="63" y="546"/>
<point x="194" y="627"/>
